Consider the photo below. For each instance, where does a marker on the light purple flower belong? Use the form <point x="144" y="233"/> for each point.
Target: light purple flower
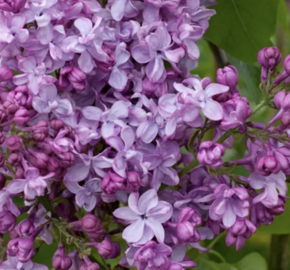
<point x="33" y="185"/>
<point x="48" y="101"/>
<point x="160" y="160"/>
<point x="157" y="47"/>
<point x="118" y="78"/>
<point x="201" y="98"/>
<point x="230" y="203"/>
<point x="123" y="8"/>
<point x="270" y="186"/>
<point x="153" y="256"/>
<point x="145" y="216"/>
<point x="33" y="74"/>
<point x="12" y="263"/>
<point x="87" y="196"/>
<point x="88" y="44"/>
<point x="12" y="32"/>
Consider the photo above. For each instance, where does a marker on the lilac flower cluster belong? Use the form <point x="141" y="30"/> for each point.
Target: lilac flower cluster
<point x="97" y="99"/>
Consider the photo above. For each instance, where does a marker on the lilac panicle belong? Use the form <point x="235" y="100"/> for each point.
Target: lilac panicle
<point x="105" y="130"/>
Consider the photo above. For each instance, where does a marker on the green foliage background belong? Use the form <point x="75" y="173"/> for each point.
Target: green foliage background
<point x="241" y="28"/>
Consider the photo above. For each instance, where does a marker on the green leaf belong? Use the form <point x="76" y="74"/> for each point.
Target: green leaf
<point x="243" y="27"/>
<point x="249" y="80"/>
<point x="282" y="15"/>
<point x="253" y="261"/>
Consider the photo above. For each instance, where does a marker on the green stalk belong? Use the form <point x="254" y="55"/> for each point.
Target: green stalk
<point x="279" y="252"/>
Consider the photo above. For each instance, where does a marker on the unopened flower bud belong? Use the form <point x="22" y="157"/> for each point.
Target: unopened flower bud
<point x="56" y="124"/>
<point x="60" y="260"/>
<point x="52" y="164"/>
<point x="21" y="117"/>
<point x="268" y="165"/>
<point x="133" y="180"/>
<point x="10" y="106"/>
<point x="14" y="159"/>
<point x="38" y="159"/>
<point x="210" y="154"/>
<point x="26" y="227"/>
<point x="228" y="76"/>
<point x="91" y="224"/>
<point x="108" y="249"/>
<point x="2" y="181"/>
<point x="14" y="143"/>
<point x="72" y="76"/>
<point x="268" y="58"/>
<point x="67" y="159"/>
<point x="286" y="72"/>
<point x="7" y="222"/>
<point x="12" y="6"/>
<point x="40" y="131"/>
<point x="6" y="73"/>
<point x="2" y="138"/>
<point x="22" y="248"/>
<point x="3" y="114"/>
<point x="88" y="265"/>
<point x="2" y="160"/>
<point x="112" y="183"/>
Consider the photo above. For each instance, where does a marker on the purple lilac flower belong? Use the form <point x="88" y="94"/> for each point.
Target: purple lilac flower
<point x="145" y="218"/>
<point x="230" y="203"/>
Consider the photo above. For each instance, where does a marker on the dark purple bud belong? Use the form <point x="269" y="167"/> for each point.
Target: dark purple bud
<point x="91" y="224"/>
<point x="72" y="76"/>
<point x="60" y="260"/>
<point x="37" y="159"/>
<point x="268" y="165"/>
<point x="7" y="222"/>
<point x="19" y="173"/>
<point x="77" y="79"/>
<point x="133" y="180"/>
<point x="2" y="138"/>
<point x="3" y="114"/>
<point x="268" y="58"/>
<point x="10" y="106"/>
<point x="21" y="117"/>
<point x="2" y="181"/>
<point x="14" y="159"/>
<point x="67" y="159"/>
<point x="112" y="183"/>
<point x="210" y="154"/>
<point x="108" y="249"/>
<point x="53" y="164"/>
<point x="26" y="227"/>
<point x="279" y="208"/>
<point x="21" y="96"/>
<point x="2" y="160"/>
<point x="12" y="5"/>
<point x="40" y="131"/>
<point x="56" y="124"/>
<point x="187" y="220"/>
<point x="22" y="248"/>
<point x="14" y="143"/>
<point x="286" y="73"/>
<point x="88" y="265"/>
<point x="6" y="73"/>
<point x="286" y="119"/>
<point x="228" y="76"/>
